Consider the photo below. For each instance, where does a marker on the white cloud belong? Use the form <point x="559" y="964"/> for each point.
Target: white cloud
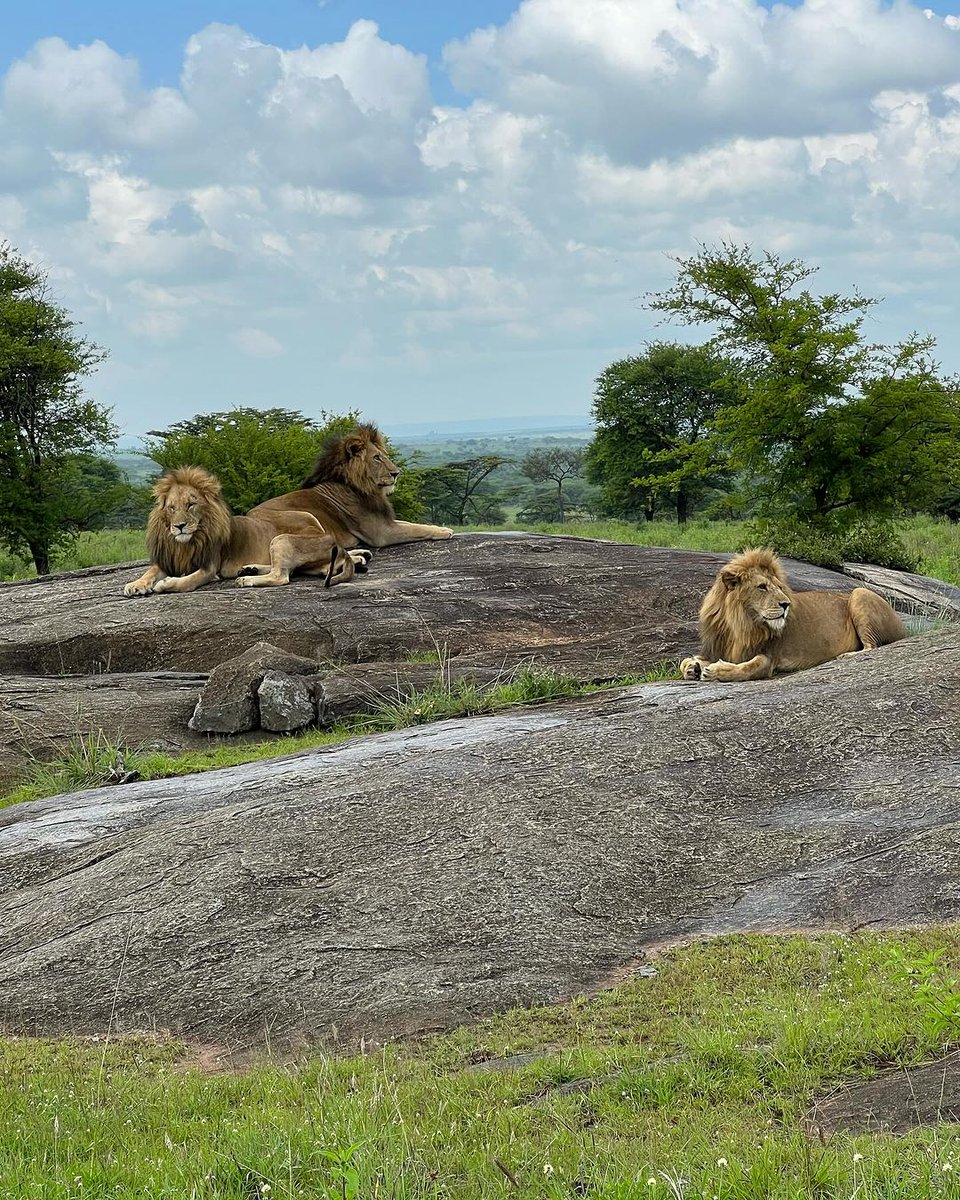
<point x="257" y="343"/>
<point x="494" y="251"/>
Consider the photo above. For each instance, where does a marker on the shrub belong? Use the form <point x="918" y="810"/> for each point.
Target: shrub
<point x="829" y="545"/>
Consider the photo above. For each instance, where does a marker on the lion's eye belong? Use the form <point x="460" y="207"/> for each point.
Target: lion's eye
<point x="378" y="458"/>
<point x="192" y="504"/>
<point x="762" y="587"/>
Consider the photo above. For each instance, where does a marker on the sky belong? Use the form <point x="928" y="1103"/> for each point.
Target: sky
<point x="426" y="210"/>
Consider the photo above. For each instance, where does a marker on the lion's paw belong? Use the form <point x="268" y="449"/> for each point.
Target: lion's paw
<point x="248" y="580"/>
<point x="445" y="532"/>
<point x="137" y="589"/>
<point x="690" y="668"/>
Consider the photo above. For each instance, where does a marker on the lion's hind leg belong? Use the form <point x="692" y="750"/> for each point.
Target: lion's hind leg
<point x="874" y="620"/>
<point x="290" y="552"/>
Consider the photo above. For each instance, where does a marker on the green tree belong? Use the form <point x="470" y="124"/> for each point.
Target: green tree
<point x="458" y="491"/>
<point x="830" y="428"/>
<point x="46" y="425"/>
<point x="654" y="415"/>
<point x="260" y="453"/>
<point x="554" y="463"/>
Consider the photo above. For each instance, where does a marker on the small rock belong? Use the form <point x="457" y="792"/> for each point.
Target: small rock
<point x="286" y="702"/>
<point x="228" y="704"/>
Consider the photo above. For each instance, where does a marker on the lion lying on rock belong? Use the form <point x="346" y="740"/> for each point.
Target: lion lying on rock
<point x="348" y="491"/>
<point x="193" y="539"/>
<point x="752" y="624"/>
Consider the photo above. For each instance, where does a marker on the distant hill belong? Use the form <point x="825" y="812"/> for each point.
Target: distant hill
<point x="491" y="427"/>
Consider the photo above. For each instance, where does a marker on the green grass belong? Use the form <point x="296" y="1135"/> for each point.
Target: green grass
<point x="693" y="1083"/>
<point x="98" y="549"/>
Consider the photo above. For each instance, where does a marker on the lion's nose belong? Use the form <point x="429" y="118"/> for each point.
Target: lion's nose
<point x="784" y="605"/>
<point x="395" y="474"/>
<point x="180" y="527"/>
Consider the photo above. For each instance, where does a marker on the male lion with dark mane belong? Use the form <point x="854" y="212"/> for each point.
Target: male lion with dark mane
<point x="348" y="491"/>
<point x="193" y="539"/>
<point x="752" y="624"/>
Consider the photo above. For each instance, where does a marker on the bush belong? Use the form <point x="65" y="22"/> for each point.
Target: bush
<point x="830" y="545"/>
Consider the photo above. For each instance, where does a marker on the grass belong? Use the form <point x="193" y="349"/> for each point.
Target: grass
<point x="691" y="1083"/>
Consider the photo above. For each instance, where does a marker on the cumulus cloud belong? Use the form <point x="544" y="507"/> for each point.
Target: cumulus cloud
<point x="304" y="219"/>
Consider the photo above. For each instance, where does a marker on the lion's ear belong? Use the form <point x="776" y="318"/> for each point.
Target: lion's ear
<point x="729" y="579"/>
<point x="353" y="446"/>
<point x="161" y="489"/>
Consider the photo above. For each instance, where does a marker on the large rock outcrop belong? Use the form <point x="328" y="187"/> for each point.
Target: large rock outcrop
<point x="418" y="879"/>
<point x="78" y="657"/>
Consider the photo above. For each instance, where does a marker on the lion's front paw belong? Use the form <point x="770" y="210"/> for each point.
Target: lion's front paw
<point x="692" y="668"/>
<point x="248" y="580"/>
<point x="444" y="532"/>
<point x="138" y="589"/>
<point x="163" y="585"/>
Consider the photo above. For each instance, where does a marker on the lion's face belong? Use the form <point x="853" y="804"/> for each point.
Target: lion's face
<point x="189" y="516"/>
<point x="184" y="509"/>
<point x="371" y="467"/>
<point x="762" y="595"/>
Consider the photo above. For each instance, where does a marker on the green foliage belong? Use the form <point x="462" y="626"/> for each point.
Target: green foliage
<point x="49" y="434"/>
<point x="830" y="544"/>
<point x="458" y="492"/>
<point x="556" y="464"/>
<point x="255" y="454"/>
<point x="653" y="447"/>
<point x="260" y="453"/>
<point x="825" y="424"/>
<point x="935" y="989"/>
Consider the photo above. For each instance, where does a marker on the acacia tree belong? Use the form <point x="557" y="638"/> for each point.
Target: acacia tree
<point x="46" y="425"/>
<point x="458" y="490"/>
<point x="654" y="415"/>
<point x="556" y="464"/>
<point x="831" y="428"/>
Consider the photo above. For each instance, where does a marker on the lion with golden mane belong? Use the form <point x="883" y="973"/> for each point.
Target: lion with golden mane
<point x="348" y="491"/>
<point x="752" y="624"/>
<point x="193" y="539"/>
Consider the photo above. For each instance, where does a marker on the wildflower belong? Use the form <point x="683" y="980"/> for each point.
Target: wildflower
<point x="858" y="1158"/>
<point x="651" y="1182"/>
<point x="721" y="1162"/>
<point x="947" y="1166"/>
<point x="547" y="1169"/>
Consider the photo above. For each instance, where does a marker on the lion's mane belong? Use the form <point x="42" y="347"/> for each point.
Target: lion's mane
<point x="345" y="476"/>
<point x="727" y="629"/>
<point x="214" y="533"/>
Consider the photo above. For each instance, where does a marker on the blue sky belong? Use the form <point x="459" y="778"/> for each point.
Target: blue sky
<point x="453" y="208"/>
<point x="155" y="34"/>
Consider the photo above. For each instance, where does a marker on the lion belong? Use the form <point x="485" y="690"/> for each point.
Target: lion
<point x="194" y="539"/>
<point x="752" y="625"/>
<point x="348" y="491"/>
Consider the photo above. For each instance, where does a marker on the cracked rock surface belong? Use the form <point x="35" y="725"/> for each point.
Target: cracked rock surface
<point x="76" y="656"/>
<point x="418" y="879"/>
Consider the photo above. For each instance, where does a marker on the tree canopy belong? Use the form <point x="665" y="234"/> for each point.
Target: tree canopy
<point x="49" y="432"/>
<point x="555" y="464"/>
<point x="829" y="427"/>
<point x="654" y="414"/>
<point x="260" y="453"/>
